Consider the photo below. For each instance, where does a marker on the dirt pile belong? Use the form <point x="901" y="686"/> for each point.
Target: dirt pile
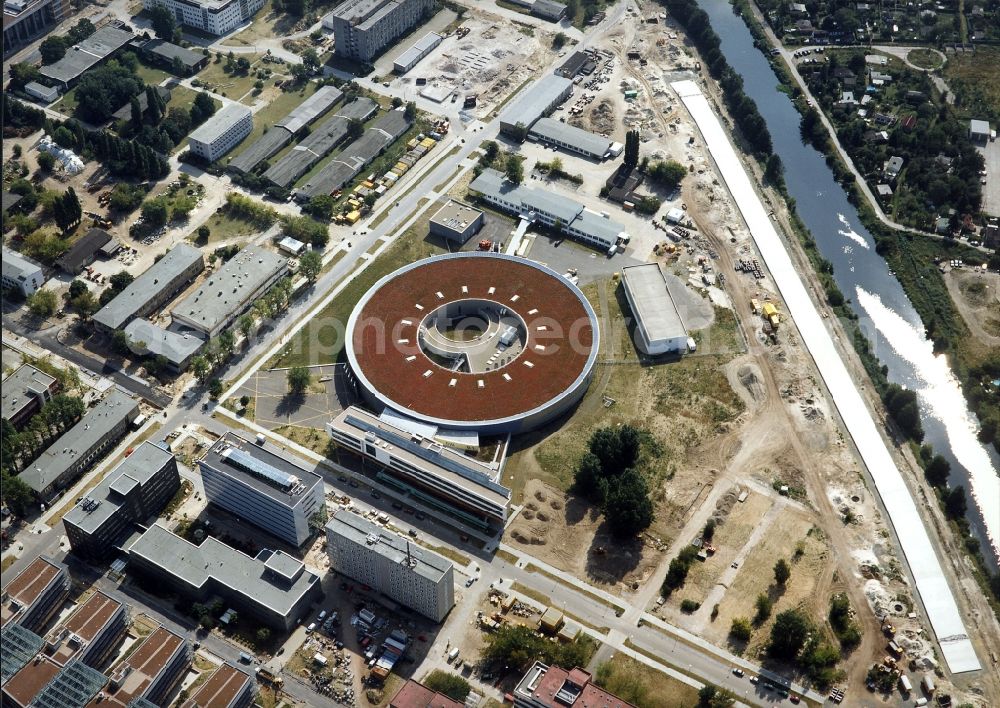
<point x="602" y="117"/>
<point x="751" y="382"/>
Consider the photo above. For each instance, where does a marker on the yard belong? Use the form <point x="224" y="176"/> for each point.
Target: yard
<point x="234" y="86"/>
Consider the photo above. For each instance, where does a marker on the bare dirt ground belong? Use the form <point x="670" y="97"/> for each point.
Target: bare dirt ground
<point x="976" y="294"/>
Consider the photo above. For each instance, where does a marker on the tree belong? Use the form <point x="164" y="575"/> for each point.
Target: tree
<point x="163" y="22"/>
<point x="589" y="481"/>
<point x="451" y="685"/>
<point x="263" y="634"/>
<point x="491" y="151"/>
<point x="20" y="75"/>
<point x="320" y="206"/>
<point x="155" y="212"/>
<point x="788" y="635"/>
<point x="741" y="629"/>
<point x="631" y="158"/>
<point x="85" y="303"/>
<point x="773" y="170"/>
<point x="200" y="367"/>
<point x="67" y="209"/>
<point x="311" y="59"/>
<point x="298" y="380"/>
<point x="355" y="129"/>
<point x="202" y="109"/>
<point x="410" y="112"/>
<point x="559" y="41"/>
<point x="76" y="289"/>
<point x="310" y="265"/>
<point x="955" y="503"/>
<point x="120" y="280"/>
<point x="136" y="113"/>
<point x="763" y="605"/>
<point x="203" y="233"/>
<point x="53" y="48"/>
<point x="102" y="90"/>
<point x="215" y="389"/>
<point x="46" y="161"/>
<point x="80" y="31"/>
<point x="937" y="471"/>
<point x="627" y="507"/>
<point x="668" y="173"/>
<point x="245" y="324"/>
<point x="42" y="303"/>
<point x="155" y="106"/>
<point x="710" y="696"/>
<point x="120" y="342"/>
<point x="782" y="571"/>
<point x="709" y="531"/>
<point x="514" y="168"/>
<point x="244" y="401"/>
<point x="617" y="448"/>
<point x="227" y="343"/>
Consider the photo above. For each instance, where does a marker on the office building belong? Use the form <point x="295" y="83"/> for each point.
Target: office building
<point x="229" y="291"/>
<point x="412" y="56"/>
<point x="177" y="349"/>
<point x="417" y="695"/>
<point x="263" y="488"/>
<point x="534" y="102"/>
<point x="157" y="285"/>
<point x="391" y="564"/>
<point x="222" y="132"/>
<point x="217" y="17"/>
<point x="573" y="139"/>
<point x="456" y="221"/>
<point x="24" y="393"/>
<point x="104" y="44"/>
<point x="20" y="272"/>
<point x="26" y="20"/>
<point x="85" y="251"/>
<point x="362" y="29"/>
<point x="99" y="429"/>
<point x="273" y="588"/>
<point x="228" y="687"/>
<point x="133" y="491"/>
<point x="35" y="595"/>
<point x="151" y="672"/>
<point x="659" y="327"/>
<point x="553" y="210"/>
<point x="554" y="687"/>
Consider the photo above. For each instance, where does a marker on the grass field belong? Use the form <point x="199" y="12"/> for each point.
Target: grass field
<point x="924" y="58"/>
<point x="230" y="85"/>
<point x="975" y="80"/>
<point x="266" y="24"/>
<point x="151" y="75"/>
<point x="223" y="227"/>
<point x="642" y="686"/>
<point x="181" y="97"/>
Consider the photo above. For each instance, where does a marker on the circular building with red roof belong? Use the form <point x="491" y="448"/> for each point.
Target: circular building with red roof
<point x="474" y="341"/>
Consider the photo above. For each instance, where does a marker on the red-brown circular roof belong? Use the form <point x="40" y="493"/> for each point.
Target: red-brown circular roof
<point x="559" y="351"/>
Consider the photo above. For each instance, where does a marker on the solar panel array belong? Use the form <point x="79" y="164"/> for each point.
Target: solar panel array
<point x="259" y="468"/>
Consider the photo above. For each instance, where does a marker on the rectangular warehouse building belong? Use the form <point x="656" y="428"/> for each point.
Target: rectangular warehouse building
<point x="536" y="101"/>
<point x="659" y="326"/>
<point x="356" y="156"/>
<point x="370" y="554"/>
<point x="222" y="132"/>
<point x="217" y="17"/>
<point x="573" y="139"/>
<point x="319" y="143"/>
<point x="21" y="273"/>
<point x="35" y="595"/>
<point x="147" y="338"/>
<point x="272" y="588"/>
<point x="412" y="56"/>
<point x="432" y="474"/>
<point x="102" y="45"/>
<point x="133" y="491"/>
<point x="151" y="290"/>
<point x="263" y="488"/>
<point x="284" y="131"/>
<point x="363" y="28"/>
<point x="228" y="292"/>
<point x="80" y="446"/>
<point x="456" y="221"/>
<point x="24" y="393"/>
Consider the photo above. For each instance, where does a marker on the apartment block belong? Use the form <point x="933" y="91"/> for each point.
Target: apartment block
<point x="24" y="393"/>
<point x="35" y="594"/>
<point x="20" y="273"/>
<point x="222" y="132"/>
<point x="216" y="17"/>
<point x="393" y="565"/>
<point x="362" y="29"/>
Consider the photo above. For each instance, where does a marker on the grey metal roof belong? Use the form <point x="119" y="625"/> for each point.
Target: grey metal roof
<point x="597" y="226"/>
<point x="170" y="51"/>
<point x="125" y="112"/>
<point x="139" y="467"/>
<point x="17" y="647"/>
<point x="175" y="347"/>
<point x="268" y="144"/>
<point x="233" y="467"/>
<point x="557" y="205"/>
<point x="10" y="200"/>
<point x="493" y="182"/>
<point x="532" y="103"/>
<point x="583" y="140"/>
<point x="353" y="10"/>
<point x="356" y="156"/>
<point x="319" y="143"/>
<point x="111" y="411"/>
<point x="91" y="51"/>
<point x="979" y="127"/>
<point x="84" y="250"/>
<point x="214" y="561"/>
<point x="654" y="307"/>
<point x="377" y="538"/>
<point x="228" y="289"/>
<point x="549" y="9"/>
<point x="312" y="108"/>
<point x="419" y="49"/>
<point x="20" y="387"/>
<point x="72" y="687"/>
<point x="221" y="121"/>
<point x="148" y="286"/>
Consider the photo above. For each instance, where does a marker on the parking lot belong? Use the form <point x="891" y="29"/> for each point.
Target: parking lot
<point x="274" y="406"/>
<point x="991" y="190"/>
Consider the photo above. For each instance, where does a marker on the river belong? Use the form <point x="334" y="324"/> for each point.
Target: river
<point x="888" y="319"/>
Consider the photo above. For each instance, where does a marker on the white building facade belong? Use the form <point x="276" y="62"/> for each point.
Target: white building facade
<point x="216" y="17"/>
<point x="21" y="273"/>
<point x="222" y="132"/>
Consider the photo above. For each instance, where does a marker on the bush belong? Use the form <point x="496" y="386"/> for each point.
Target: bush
<point x="451" y="685"/>
<point x="678" y="570"/>
<point x="689" y="606"/>
<point x="741" y="629"/>
<point x="763" y="605"/>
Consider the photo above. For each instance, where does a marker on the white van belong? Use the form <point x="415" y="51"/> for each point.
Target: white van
<point x="322" y="616"/>
<point x="311" y="628"/>
<point x="453" y="654"/>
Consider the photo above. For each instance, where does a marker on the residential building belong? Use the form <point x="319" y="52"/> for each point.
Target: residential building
<point x="172" y="57"/>
<point x="273" y="588"/>
<point x="177" y="349"/>
<point x="554" y="687"/>
<point x="553" y="210"/>
<point x="979" y="130"/>
<point x="573" y="139"/>
<point x="107" y="42"/>
<point x="222" y="132"/>
<point x="99" y="429"/>
<point x="139" y="487"/>
<point x="151" y="672"/>
<point x="228" y="687"/>
<point x="229" y="291"/>
<point x="456" y="221"/>
<point x="436" y="476"/>
<point x="21" y="273"/>
<point x="24" y="393"/>
<point x="217" y="17"/>
<point x="659" y="326"/>
<point x="417" y="695"/>
<point x="391" y="564"/>
<point x="363" y="28"/>
<point x="534" y="102"/>
<point x="263" y="488"/>
<point x="157" y="285"/>
<point x="892" y="167"/>
<point x="75" y="684"/>
<point x="412" y="56"/>
<point x="35" y="595"/>
<point x="85" y="251"/>
<point x="25" y="20"/>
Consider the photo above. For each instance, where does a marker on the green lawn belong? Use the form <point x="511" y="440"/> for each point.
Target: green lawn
<point x="67" y="104"/>
<point x="230" y="85"/>
<point x="151" y="75"/>
<point x="223" y="227"/>
<point x="275" y="111"/>
<point x="642" y="686"/>
<point x="181" y="97"/>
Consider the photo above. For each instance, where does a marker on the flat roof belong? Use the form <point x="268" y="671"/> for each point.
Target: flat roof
<point x="149" y="285"/>
<point x="90" y="618"/>
<point x="417" y="695"/>
<point x="214" y="560"/>
<point x="30" y="680"/>
<point x="455" y="215"/>
<point x="18" y="646"/>
<point x="144" y="462"/>
<point x="583" y="140"/>
<point x="175" y="347"/>
<point x="653" y="305"/>
<point x="229" y="288"/>
<point x="221" y="121"/>
<point x="221" y="689"/>
<point x="220" y="457"/>
<point x="28" y="585"/>
<point x="554" y="686"/>
<point x="310" y="109"/>
<point x="387" y="544"/>
<point x="980" y="127"/>
<point x="357" y="155"/>
<point x="84" y="250"/>
<point x="76" y="442"/>
<point x="319" y="142"/>
<point x="16" y="265"/>
<point x="75" y="685"/>
<point x="419" y="49"/>
<point x="21" y="387"/>
<point x="533" y="101"/>
<point x="144" y="665"/>
<point x="94" y="49"/>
